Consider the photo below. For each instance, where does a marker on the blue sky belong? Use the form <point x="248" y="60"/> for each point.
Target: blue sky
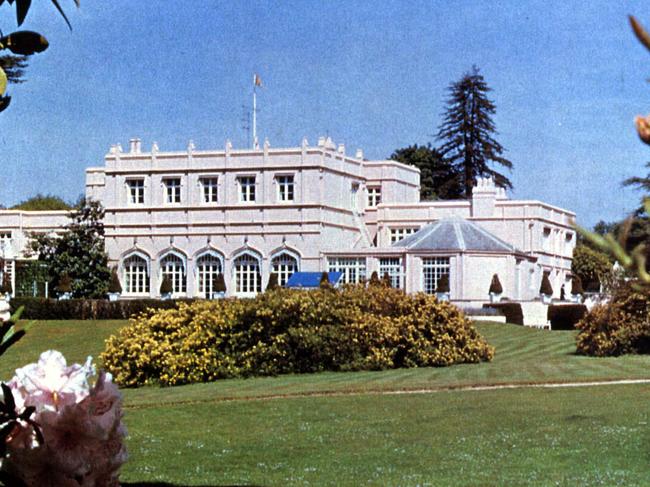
<point x="567" y="79"/>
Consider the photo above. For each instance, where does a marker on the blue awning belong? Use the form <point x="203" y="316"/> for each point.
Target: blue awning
<point x="311" y="279"/>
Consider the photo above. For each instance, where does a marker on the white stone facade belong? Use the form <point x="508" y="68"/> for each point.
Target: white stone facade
<point x="247" y="213"/>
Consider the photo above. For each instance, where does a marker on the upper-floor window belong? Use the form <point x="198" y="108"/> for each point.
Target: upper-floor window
<point x="209" y="187"/>
<point x="172" y="190"/>
<point x="374" y="196"/>
<point x="136" y="191"/>
<point x="568" y="239"/>
<point x="5" y="236"/>
<point x="546" y="239"/>
<point x="285" y="188"/>
<point x="397" y="234"/>
<point x="246" y="188"/>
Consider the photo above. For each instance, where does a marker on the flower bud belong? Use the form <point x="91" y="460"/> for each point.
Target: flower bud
<point x="643" y="127"/>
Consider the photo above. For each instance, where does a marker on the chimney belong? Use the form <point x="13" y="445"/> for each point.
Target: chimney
<point x="341" y="149"/>
<point x="359" y="154"/>
<point x="135" y="146"/>
<point x="321" y="141"/>
<point x="484" y="195"/>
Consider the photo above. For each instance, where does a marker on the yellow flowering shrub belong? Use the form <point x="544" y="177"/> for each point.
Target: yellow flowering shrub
<point x="291" y="331"/>
<point x="619" y="327"/>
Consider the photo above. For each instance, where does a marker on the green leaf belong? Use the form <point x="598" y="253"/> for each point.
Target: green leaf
<point x="3" y="82"/>
<point x="22" y="7"/>
<point x="640" y="32"/>
<point x="17" y="314"/>
<point x="58" y="7"/>
<point x="11" y="340"/>
<point x="8" y="397"/>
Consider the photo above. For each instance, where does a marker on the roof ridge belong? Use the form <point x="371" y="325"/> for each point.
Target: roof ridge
<point x="428" y="231"/>
<point x="492" y="237"/>
<point x="459" y="235"/>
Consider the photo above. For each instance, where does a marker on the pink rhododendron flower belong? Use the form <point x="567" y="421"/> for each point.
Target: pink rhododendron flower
<point x="80" y="416"/>
<point x="50" y="384"/>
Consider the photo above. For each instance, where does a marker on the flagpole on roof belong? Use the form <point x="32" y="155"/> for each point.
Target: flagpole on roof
<point x="256" y="82"/>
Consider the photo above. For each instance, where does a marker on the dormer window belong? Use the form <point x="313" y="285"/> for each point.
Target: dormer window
<point x="172" y="190"/>
<point x="246" y="188"/>
<point x="374" y="196"/>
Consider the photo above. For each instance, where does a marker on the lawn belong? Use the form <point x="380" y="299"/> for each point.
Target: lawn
<point x="235" y="433"/>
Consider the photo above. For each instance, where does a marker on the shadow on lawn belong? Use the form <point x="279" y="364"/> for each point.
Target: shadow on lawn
<point x="165" y="484"/>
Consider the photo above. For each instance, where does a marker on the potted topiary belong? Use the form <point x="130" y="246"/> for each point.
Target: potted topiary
<point x="5" y="287"/>
<point x="576" y="289"/>
<point x="325" y="281"/>
<point x="546" y="290"/>
<point x="496" y="290"/>
<point x="386" y="280"/>
<point x="64" y="287"/>
<point x="273" y="282"/>
<point x="114" y="286"/>
<point x="166" y="288"/>
<point x="219" y="287"/>
<point x="374" y="279"/>
<point x="442" y="289"/>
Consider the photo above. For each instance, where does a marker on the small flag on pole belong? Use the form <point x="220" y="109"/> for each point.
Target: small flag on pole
<point x="257" y="81"/>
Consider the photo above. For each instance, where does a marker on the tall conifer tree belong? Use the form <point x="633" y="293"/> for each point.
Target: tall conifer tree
<point x="467" y="133"/>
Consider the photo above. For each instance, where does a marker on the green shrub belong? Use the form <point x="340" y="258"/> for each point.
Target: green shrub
<point x="64" y="285"/>
<point x="495" y="285"/>
<point x="292" y="331"/>
<point x="87" y="309"/>
<point x="565" y="316"/>
<point x="619" y="327"/>
<point x="512" y="311"/>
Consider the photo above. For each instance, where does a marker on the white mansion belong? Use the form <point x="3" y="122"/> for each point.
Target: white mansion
<point x="248" y="213"/>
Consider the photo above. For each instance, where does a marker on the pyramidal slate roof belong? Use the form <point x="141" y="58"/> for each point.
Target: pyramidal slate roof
<point x="454" y="234"/>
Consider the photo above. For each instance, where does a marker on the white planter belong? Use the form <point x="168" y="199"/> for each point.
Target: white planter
<point x="65" y="296"/>
<point x="442" y="296"/>
<point x="5" y="312"/>
<point x="576" y="298"/>
<point x="546" y="298"/>
<point x="218" y="295"/>
<point x="166" y="296"/>
<point x="113" y="296"/>
<point x="495" y="298"/>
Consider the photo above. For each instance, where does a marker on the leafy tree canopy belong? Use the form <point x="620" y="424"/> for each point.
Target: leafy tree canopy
<point x="438" y="178"/>
<point x="591" y="266"/>
<point x="467" y="133"/>
<point x="42" y="203"/>
<point x="78" y="252"/>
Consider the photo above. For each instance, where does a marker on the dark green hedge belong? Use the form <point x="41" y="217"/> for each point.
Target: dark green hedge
<point x="87" y="309"/>
<point x="565" y="316"/>
<point x="512" y="311"/>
